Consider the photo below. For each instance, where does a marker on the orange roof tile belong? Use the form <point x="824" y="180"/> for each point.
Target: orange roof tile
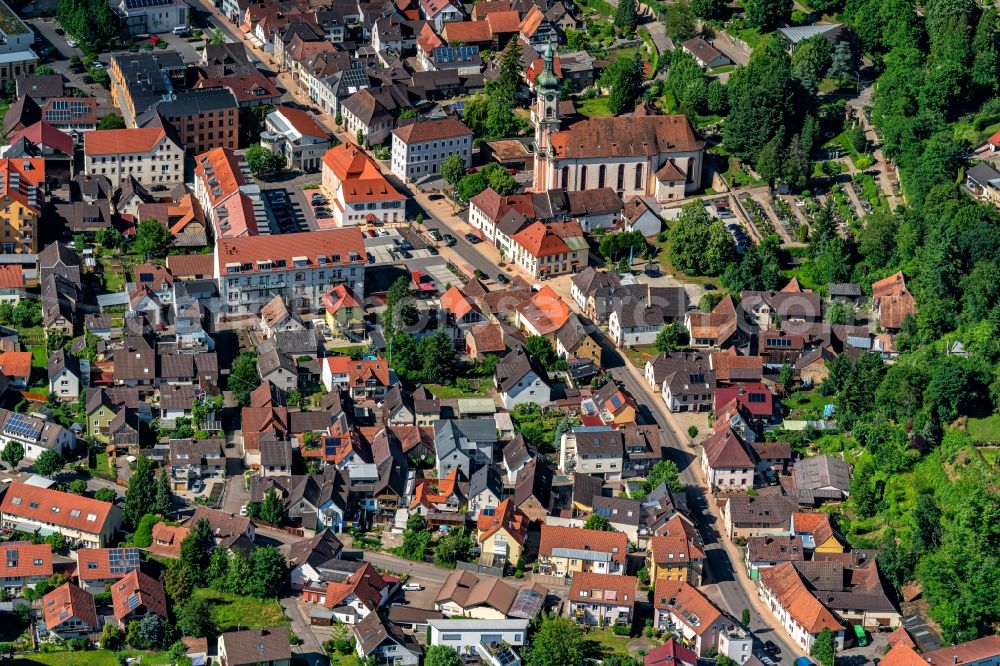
<point x="16" y="364"/>
<point x="686" y="601"/>
<point x="69" y="601"/>
<point x="95" y="563"/>
<point x="434" y="491"/>
<point x="506" y="517"/>
<point x="606" y="589"/>
<point x="545" y="310"/>
<point x="793" y="595"/>
<point x="720" y="323"/>
<point x="539" y="241"/>
<point x="902" y="655"/>
<point x="167" y="540"/>
<point x="122" y="141"/>
<point x="558" y="536"/>
<point x="359" y="176"/>
<point x="503" y="22"/>
<point x="338" y="298"/>
<point x="147" y="589"/>
<point x="455" y="302"/>
<point x="467" y="32"/>
<point x="303" y="123"/>
<point x="28" y="561"/>
<point x="11" y="276"/>
<point x="220" y="171"/>
<point x="893" y="284"/>
<point x="679" y="539"/>
<point x="247" y="251"/>
<point x="531" y="21"/>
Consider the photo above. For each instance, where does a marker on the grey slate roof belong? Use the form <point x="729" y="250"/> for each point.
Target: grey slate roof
<point x="486" y="478"/>
<point x="822" y="471"/>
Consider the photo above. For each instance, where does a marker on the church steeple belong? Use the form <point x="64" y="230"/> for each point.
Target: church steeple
<point x="546" y="116"/>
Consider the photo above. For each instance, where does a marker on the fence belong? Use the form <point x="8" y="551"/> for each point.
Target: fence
<point x="479" y="569"/>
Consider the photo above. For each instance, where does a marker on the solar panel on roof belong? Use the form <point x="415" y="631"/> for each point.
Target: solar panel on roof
<point x="123" y="560"/>
<point x="132" y="601"/>
<point x="18" y="424"/>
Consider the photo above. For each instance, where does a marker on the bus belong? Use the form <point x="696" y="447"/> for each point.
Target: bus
<point x="859" y="633"/>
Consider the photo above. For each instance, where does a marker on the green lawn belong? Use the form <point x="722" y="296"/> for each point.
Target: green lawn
<point x="639" y="355"/>
<point x="722" y="69"/>
<point x="605" y="642"/>
<point x="736" y="177"/>
<point x="230" y="611"/>
<point x="442" y="392"/>
<point x="39" y="356"/>
<point x="806" y="404"/>
<point x="596" y="107"/>
<point x="90" y="658"/>
<point x="985" y="430"/>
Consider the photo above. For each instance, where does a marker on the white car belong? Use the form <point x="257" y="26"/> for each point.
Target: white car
<point x="97" y="64"/>
<point x="243" y="511"/>
<point x="412" y="587"/>
<point x="71" y="43"/>
<point x="197" y="486"/>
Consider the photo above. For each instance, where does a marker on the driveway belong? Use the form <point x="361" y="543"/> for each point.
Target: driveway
<point x="310" y="650"/>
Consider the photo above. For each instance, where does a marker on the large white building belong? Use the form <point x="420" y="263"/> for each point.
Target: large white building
<point x="635" y="155"/>
<point x="147" y="154"/>
<point x="296" y="135"/>
<point x="16" y="39"/>
<point x="465" y="635"/>
<point x="153" y="16"/>
<point x="35" y="434"/>
<point x="419" y="149"/>
<point x="301" y="267"/>
<point x="358" y="191"/>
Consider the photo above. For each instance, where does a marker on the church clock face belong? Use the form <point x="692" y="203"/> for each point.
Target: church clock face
<point x="550" y="98"/>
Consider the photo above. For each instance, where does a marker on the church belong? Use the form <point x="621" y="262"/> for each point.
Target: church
<point x="650" y="156"/>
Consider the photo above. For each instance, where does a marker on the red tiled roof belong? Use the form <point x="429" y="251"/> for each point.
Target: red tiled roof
<point x="558" y="536"/>
<point x="755" y="396"/>
<point x="359" y="372"/>
<point x="119" y="141"/>
<point x="366" y="584"/>
<point x="793" y="595"/>
<point x="338" y="298"/>
<point x="677" y="538"/>
<point x="687" y="601"/>
<point x="303" y="123"/>
<point x="720" y="323"/>
<point x="604" y="589"/>
<point x="902" y="655"/>
<point x="507" y="517"/>
<point x="432" y="130"/>
<point x="539" y="241"/>
<point x="11" y="276"/>
<point x="545" y="310"/>
<point x="455" y="302"/>
<point x="244" y="86"/>
<point x="434" y="491"/>
<point x="723" y="449"/>
<point x="146" y="589"/>
<point x="360" y="178"/>
<point x="31" y="560"/>
<point x="970" y="652"/>
<point x="69" y="601"/>
<point x="467" y="32"/>
<point x="95" y="563"/>
<point x="531" y="21"/>
<point x="16" y="364"/>
<point x="167" y="540"/>
<point x="625" y="137"/>
<point x="671" y="653"/>
<point x="44" y="134"/>
<point x="190" y="265"/>
<point x="55" y="507"/>
<point x="503" y="22"/>
<point x="308" y="245"/>
<point x="223" y="167"/>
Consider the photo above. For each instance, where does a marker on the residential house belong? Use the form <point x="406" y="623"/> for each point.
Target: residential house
<point x="27" y="564"/>
<point x="770" y="551"/>
<point x="705" y="54"/>
<point x="671" y="653"/>
<point x="714" y="329"/>
<point x="194" y="459"/>
<point x="465" y="444"/>
<point x="682" y="608"/>
<point x="344" y="312"/>
<point x="565" y="551"/>
<point x="439" y="12"/>
<point x="799" y="612"/>
<point x="602" y="600"/>
<point x="229" y="530"/>
<point x="79" y="519"/>
<point x="501" y="533"/>
<point x="11" y="283"/>
<point x="353" y="599"/>
<point x="488" y="598"/>
<point x="756" y="397"/>
<point x="544" y="250"/>
<point x="685" y="381"/>
<point x="519" y="379"/>
<point x="255" y="646"/>
<point x="893" y="301"/>
<point x="612" y="405"/>
<point x="311" y="560"/>
<point x="69" y="612"/>
<point x="816" y="532"/>
<point x="575" y="341"/>
<point x="635" y="323"/>
<point x="624" y="515"/>
<point x="167" y="540"/>
<point x="137" y="595"/>
<point x="99" y="568"/>
<point x="593" y="450"/>
<point x="726" y="462"/>
<point x="65" y="376"/>
<point x="203" y="119"/>
<point x="676" y="552"/>
<point x="745" y="516"/>
<point x="439" y="495"/>
<point x="35" y="433"/>
<point x="373" y="112"/>
<point x="228" y="194"/>
<point x="543" y="313"/>
<point x="516" y="454"/>
<point x="485" y="490"/>
<point x="420" y="148"/>
<point x="377" y="637"/>
<point x="533" y="489"/>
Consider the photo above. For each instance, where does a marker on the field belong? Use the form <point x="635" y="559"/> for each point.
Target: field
<point x="986" y="429"/>
<point x="639" y="355"/>
<point x="442" y="392"/>
<point x="90" y="658"/>
<point x="230" y="611"/>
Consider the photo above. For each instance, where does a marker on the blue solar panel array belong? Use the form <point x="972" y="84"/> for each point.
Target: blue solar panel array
<point x="133" y="601"/>
<point x="123" y="560"/>
<point x="20" y="425"/>
<point x="455" y="53"/>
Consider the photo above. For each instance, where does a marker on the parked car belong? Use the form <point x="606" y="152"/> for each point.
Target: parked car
<point x="503" y="279"/>
<point x="772" y="647"/>
<point x="472" y="238"/>
<point x="432" y="250"/>
<point x="71" y="43"/>
<point x="412" y="587"/>
<point x="197" y="486"/>
<point x="243" y="510"/>
<point x="97" y="64"/>
<point x="449" y="240"/>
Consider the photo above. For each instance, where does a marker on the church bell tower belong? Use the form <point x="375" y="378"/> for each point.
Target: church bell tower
<point x="546" y="116"/>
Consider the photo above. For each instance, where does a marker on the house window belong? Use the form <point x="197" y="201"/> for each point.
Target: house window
<point x="621" y="176"/>
<point x="600" y="176"/>
<point x="638" y="177"/>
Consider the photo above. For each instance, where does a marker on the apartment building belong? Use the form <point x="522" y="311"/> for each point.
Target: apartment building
<point x="21" y="194"/>
<point x="141" y="17"/>
<point x="81" y="520"/>
<point x="35" y="434"/>
<point x="203" y="119"/>
<point x="140" y="81"/>
<point x="422" y="147"/>
<point x="360" y="194"/>
<point x="229" y="194"/>
<point x="595" y="450"/>
<point x="296" y="135"/>
<point x="149" y="154"/>
<point x="545" y="250"/>
<point x="301" y="267"/>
